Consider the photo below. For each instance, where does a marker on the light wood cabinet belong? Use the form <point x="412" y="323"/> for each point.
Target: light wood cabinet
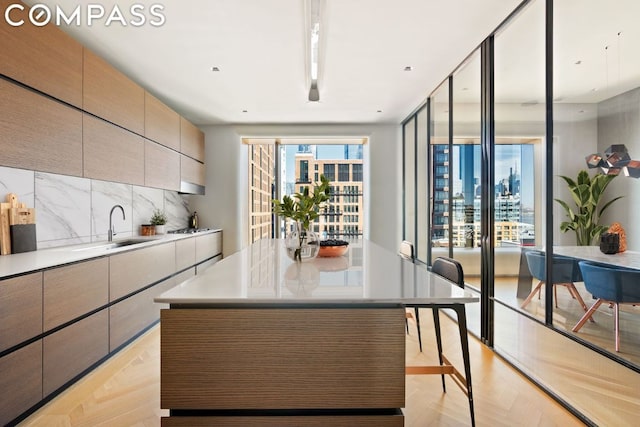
<point x="132" y="315"/>
<point x="133" y="270"/>
<point x="192" y="171"/>
<point x="161" y="167"/>
<point x="109" y="94"/>
<point x="112" y="153"/>
<point x="38" y="133"/>
<point x="185" y="253"/>
<point x="207" y="246"/>
<point x="117" y="286"/>
<point x="20" y="309"/>
<point x="69" y="351"/>
<point x="208" y="358"/>
<point x="191" y="140"/>
<point x="71" y="291"/>
<point x="44" y="58"/>
<point x="21" y="381"/>
<point x="161" y="123"/>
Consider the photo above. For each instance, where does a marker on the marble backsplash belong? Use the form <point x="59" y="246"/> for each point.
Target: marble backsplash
<point x="72" y="210"/>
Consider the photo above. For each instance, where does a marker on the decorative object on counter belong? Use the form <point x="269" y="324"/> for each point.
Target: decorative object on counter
<point x="609" y="243"/>
<point x="301" y="242"/>
<point x="587" y="195"/>
<point x="193" y="220"/>
<point x="616" y="159"/>
<point x="147" y="230"/>
<point x="333" y="248"/>
<point x="616" y="228"/>
<point x="18" y="228"/>
<point x="159" y="220"/>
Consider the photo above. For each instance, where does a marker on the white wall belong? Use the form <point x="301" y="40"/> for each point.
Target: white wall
<point x="225" y="204"/>
<point x="619" y="123"/>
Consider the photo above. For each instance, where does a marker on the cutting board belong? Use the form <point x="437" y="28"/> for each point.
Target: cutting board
<point x="5" y="237"/>
<point x="17" y="227"/>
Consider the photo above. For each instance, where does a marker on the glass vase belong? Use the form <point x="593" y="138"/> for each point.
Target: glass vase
<point x="301" y="244"/>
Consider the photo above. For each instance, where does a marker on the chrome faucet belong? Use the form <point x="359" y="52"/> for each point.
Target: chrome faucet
<point x="111" y="232"/>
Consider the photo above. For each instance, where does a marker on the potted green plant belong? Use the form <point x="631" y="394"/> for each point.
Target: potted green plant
<point x="587" y="196"/>
<point x="303" y="208"/>
<point x="159" y="219"/>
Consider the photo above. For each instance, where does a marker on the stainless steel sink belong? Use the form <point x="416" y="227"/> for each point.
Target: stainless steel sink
<point x="113" y="245"/>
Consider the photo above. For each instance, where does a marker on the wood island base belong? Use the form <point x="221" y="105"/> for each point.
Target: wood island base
<point x="282" y="365"/>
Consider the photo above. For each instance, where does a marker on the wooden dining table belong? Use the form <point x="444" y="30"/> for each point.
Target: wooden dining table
<point x="258" y="339"/>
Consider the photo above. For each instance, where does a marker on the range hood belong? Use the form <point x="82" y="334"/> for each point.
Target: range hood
<point x="191" y="188"/>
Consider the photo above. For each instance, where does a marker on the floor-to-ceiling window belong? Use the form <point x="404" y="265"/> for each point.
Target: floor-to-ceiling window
<point x="409" y="180"/>
<point x="465" y="176"/>
<point x="440" y="174"/>
<point x="279" y="167"/>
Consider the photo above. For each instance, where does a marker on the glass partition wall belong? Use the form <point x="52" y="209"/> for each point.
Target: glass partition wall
<point x="557" y="81"/>
<point x="597" y="106"/>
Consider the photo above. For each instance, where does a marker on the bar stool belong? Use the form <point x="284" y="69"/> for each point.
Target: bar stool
<point x="406" y="252"/>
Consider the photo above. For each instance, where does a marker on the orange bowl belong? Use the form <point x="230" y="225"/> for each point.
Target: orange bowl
<point x="333" y="251"/>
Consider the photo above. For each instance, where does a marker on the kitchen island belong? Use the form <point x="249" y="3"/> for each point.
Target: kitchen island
<point x="260" y="340"/>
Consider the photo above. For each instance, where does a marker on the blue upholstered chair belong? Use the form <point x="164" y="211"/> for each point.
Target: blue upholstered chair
<point x="612" y="285"/>
<point x="565" y="272"/>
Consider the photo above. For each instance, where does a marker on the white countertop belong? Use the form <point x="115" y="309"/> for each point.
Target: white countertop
<point x="263" y="274"/>
<point x="16" y="264"/>
<point x="626" y="259"/>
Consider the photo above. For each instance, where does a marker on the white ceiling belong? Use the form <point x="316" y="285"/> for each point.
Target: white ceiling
<point x="259" y="45"/>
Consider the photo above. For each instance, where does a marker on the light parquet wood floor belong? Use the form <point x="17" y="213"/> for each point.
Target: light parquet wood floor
<point x="125" y="390"/>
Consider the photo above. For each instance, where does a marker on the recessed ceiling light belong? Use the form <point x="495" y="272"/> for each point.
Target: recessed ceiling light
<point x="215" y="69"/>
<point x="408" y="68"/>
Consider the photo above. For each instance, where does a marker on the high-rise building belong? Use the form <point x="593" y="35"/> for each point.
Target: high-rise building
<point x="342" y="217"/>
<point x="262" y="176"/>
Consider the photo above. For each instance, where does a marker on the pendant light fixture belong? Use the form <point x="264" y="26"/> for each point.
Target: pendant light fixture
<point x="313" y="41"/>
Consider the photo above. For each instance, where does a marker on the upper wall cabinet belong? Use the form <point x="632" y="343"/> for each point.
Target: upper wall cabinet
<point x="161" y="167"/>
<point x="161" y="123"/>
<point x="111" y="95"/>
<point x="112" y="153"/>
<point x="192" y="172"/>
<point x="44" y="58"/>
<point x="39" y="133"/>
<point x="191" y="140"/>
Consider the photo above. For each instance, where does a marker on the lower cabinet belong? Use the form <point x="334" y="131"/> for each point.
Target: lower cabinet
<point x="130" y="316"/>
<point x="21" y="381"/>
<point x="207" y="246"/>
<point x="204" y="265"/>
<point x="49" y="308"/>
<point x="71" y="350"/>
<point x="20" y="309"/>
